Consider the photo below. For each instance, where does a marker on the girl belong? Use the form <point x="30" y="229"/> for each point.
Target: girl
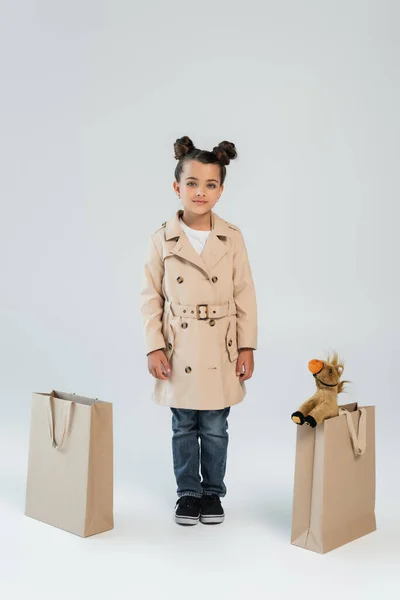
<point x="200" y="319"/>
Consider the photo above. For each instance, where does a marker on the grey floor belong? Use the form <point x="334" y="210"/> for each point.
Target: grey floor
<point x="147" y="554"/>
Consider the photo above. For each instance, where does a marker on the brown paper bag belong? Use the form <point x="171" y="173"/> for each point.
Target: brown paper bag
<point x="334" y="484"/>
<point x="70" y="466"/>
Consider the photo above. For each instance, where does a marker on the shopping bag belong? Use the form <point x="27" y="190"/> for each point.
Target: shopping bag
<point x="334" y="483"/>
<point x="70" y="464"/>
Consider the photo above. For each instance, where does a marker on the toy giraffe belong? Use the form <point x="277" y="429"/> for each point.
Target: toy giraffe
<point x="323" y="404"/>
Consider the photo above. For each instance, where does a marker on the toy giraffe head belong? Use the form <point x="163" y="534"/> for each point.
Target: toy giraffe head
<point x="327" y="373"/>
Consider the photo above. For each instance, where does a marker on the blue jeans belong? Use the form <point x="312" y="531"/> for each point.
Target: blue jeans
<point x="200" y="441"/>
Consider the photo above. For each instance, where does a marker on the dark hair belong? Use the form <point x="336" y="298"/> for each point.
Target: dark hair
<point x="221" y="155"/>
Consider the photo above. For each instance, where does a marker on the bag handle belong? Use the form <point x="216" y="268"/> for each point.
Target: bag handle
<point x="66" y="423"/>
<point x="359" y="439"/>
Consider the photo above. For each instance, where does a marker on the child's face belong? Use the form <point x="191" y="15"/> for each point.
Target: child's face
<point x="199" y="182"/>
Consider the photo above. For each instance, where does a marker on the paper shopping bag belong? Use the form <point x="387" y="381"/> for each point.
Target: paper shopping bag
<point x="334" y="484"/>
<point x="70" y="465"/>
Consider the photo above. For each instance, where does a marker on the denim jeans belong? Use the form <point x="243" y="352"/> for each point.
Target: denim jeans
<point x="200" y="442"/>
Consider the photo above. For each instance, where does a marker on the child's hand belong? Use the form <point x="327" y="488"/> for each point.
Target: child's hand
<point x="245" y="361"/>
<point x="158" y="364"/>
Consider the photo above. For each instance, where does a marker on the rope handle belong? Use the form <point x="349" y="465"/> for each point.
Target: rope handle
<point x="66" y="423"/>
<point x="359" y="439"/>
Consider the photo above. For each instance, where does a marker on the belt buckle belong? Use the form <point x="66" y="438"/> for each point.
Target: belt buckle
<point x="198" y="306"/>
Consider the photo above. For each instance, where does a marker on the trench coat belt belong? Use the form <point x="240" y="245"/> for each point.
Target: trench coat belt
<point x="201" y="311"/>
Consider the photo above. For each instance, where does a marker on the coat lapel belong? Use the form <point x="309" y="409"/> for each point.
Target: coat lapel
<point x="214" y="248"/>
<point x="184" y="249"/>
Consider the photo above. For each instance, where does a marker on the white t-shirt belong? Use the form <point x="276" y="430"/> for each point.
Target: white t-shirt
<point x="196" y="237"/>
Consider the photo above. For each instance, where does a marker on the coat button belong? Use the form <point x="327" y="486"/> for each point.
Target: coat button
<point x="230" y="343"/>
<point x="169" y="346"/>
<point x="184" y="325"/>
<point x="179" y="279"/>
<point x="214" y="279"/>
<point x="188" y="369"/>
<point x="212" y="323"/>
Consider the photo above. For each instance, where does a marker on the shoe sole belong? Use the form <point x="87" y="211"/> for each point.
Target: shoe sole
<point x="186" y="520"/>
<point x="212" y="519"/>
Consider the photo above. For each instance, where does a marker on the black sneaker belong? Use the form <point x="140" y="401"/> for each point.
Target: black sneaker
<point x="187" y="510"/>
<point x="211" y="510"/>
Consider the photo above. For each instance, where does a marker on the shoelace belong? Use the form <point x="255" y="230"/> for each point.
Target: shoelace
<point x="185" y="501"/>
<point x="211" y="499"/>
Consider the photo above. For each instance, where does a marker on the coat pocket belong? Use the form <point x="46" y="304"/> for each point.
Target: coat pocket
<point x="170" y="337"/>
<point x="231" y="339"/>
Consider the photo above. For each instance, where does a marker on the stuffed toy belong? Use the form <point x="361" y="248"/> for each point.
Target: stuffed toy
<point x="323" y="405"/>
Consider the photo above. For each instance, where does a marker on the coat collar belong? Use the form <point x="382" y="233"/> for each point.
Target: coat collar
<point x="213" y="251"/>
<point x="218" y="226"/>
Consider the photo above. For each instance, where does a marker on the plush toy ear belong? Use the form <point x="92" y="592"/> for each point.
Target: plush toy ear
<point x="340" y="369"/>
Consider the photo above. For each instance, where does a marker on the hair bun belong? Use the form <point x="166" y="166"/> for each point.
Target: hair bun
<point x="225" y="152"/>
<point x="183" y="146"/>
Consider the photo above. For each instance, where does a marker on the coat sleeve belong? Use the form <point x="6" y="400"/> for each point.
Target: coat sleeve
<point x="152" y="299"/>
<point x="244" y="296"/>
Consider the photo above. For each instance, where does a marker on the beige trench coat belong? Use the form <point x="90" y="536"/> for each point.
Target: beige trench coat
<point x="201" y="309"/>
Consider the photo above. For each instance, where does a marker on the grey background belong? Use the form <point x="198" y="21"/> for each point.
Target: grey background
<point x="93" y="96"/>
